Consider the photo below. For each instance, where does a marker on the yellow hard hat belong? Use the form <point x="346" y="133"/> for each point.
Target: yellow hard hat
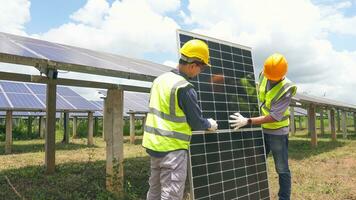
<point x="196" y="50"/>
<point x="275" y="67"/>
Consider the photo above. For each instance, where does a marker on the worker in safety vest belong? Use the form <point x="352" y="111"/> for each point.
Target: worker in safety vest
<point x="275" y="92"/>
<point x="174" y="113"/>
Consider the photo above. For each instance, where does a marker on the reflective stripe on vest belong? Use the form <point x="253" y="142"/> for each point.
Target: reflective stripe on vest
<point x="166" y="126"/>
<point x="165" y="133"/>
<point x="269" y="97"/>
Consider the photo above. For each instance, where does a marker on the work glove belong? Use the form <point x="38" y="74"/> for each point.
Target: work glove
<point x="237" y="121"/>
<point x="213" y="125"/>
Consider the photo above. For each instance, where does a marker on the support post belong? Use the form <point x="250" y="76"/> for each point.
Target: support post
<point x="329" y="119"/>
<point x="322" y="131"/>
<point x="300" y="123"/>
<point x="114" y="141"/>
<point x="65" y="128"/>
<point x="311" y="125"/>
<point x="8" y="143"/>
<point x="29" y="126"/>
<point x="132" y="128"/>
<point x="43" y="126"/>
<point x="104" y="105"/>
<point x="90" y="128"/>
<point x="344" y="124"/>
<point x="75" y="127"/>
<point x="143" y="123"/>
<point x="50" y="142"/>
<point x="338" y="121"/>
<point x="332" y="125"/>
<point x="96" y="125"/>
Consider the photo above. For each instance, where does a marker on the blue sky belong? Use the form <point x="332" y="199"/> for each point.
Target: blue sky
<point x="317" y="36"/>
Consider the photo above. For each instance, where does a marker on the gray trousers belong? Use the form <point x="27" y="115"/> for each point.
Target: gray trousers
<point x="168" y="176"/>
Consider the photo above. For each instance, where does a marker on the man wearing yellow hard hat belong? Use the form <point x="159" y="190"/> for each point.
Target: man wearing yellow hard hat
<point x="174" y="113"/>
<point x="275" y="92"/>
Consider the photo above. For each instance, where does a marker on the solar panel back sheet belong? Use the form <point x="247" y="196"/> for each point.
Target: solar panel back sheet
<point x="227" y="164"/>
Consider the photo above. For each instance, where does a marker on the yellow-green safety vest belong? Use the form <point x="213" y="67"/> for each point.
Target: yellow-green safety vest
<point x="166" y="127"/>
<point x="266" y="98"/>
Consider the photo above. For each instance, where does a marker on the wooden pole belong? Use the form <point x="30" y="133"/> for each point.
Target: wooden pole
<point x="90" y="128"/>
<point x="43" y="126"/>
<point x="311" y="125"/>
<point x="65" y="128"/>
<point x="332" y="125"/>
<point x="114" y="141"/>
<point x="338" y="121"/>
<point x="144" y="122"/>
<point x="8" y="139"/>
<point x="75" y="127"/>
<point x="322" y="131"/>
<point x="344" y="124"/>
<point x="29" y="126"/>
<point x="50" y="142"/>
<point x="329" y="119"/>
<point x="132" y="128"/>
<point x="96" y="125"/>
<point x="300" y="123"/>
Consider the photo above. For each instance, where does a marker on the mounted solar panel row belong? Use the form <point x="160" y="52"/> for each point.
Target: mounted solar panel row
<point x="133" y="101"/>
<point x="32" y="51"/>
<point x="28" y="96"/>
<point x="227" y="164"/>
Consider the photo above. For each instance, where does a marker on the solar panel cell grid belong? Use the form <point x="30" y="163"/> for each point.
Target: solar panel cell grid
<point x="14" y="87"/>
<point x="228" y="164"/>
<point x="3" y="101"/>
<point x="24" y="101"/>
<point x="37" y="89"/>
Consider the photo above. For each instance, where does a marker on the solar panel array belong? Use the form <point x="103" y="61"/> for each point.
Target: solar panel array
<point x="133" y="101"/>
<point x="32" y="97"/>
<point x="33" y="51"/>
<point x="227" y="164"/>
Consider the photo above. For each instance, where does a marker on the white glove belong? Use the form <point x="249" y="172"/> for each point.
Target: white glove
<point x="237" y="121"/>
<point x="213" y="125"/>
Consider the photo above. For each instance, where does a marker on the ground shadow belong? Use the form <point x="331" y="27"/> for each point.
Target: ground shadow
<point x="74" y="180"/>
<point x="301" y="148"/>
<point x="138" y="141"/>
<point x="39" y="147"/>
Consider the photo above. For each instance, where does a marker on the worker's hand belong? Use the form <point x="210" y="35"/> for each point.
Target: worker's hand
<point x="213" y="125"/>
<point x="237" y="121"/>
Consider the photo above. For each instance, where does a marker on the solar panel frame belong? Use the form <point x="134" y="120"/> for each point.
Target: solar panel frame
<point x="218" y="95"/>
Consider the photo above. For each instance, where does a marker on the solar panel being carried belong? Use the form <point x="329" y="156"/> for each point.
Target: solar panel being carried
<point x="227" y="164"/>
<point x="33" y="52"/>
<point x="20" y="96"/>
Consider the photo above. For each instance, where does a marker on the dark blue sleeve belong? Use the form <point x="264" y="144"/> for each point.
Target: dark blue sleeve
<point x="188" y="102"/>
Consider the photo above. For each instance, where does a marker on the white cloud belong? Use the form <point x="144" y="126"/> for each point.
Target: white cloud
<point x="164" y="6"/>
<point x="128" y="27"/>
<point x="334" y="19"/>
<point x="13" y="16"/>
<point x="297" y="29"/>
<point x="92" y="13"/>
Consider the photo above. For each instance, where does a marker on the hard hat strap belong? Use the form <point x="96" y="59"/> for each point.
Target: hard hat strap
<point x="190" y="60"/>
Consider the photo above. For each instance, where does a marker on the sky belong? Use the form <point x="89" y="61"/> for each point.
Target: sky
<point x="318" y="37"/>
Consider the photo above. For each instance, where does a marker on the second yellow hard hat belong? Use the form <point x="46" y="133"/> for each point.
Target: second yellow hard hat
<point x="275" y="67"/>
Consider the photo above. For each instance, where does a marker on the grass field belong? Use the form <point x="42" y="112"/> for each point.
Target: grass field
<point x="325" y="173"/>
